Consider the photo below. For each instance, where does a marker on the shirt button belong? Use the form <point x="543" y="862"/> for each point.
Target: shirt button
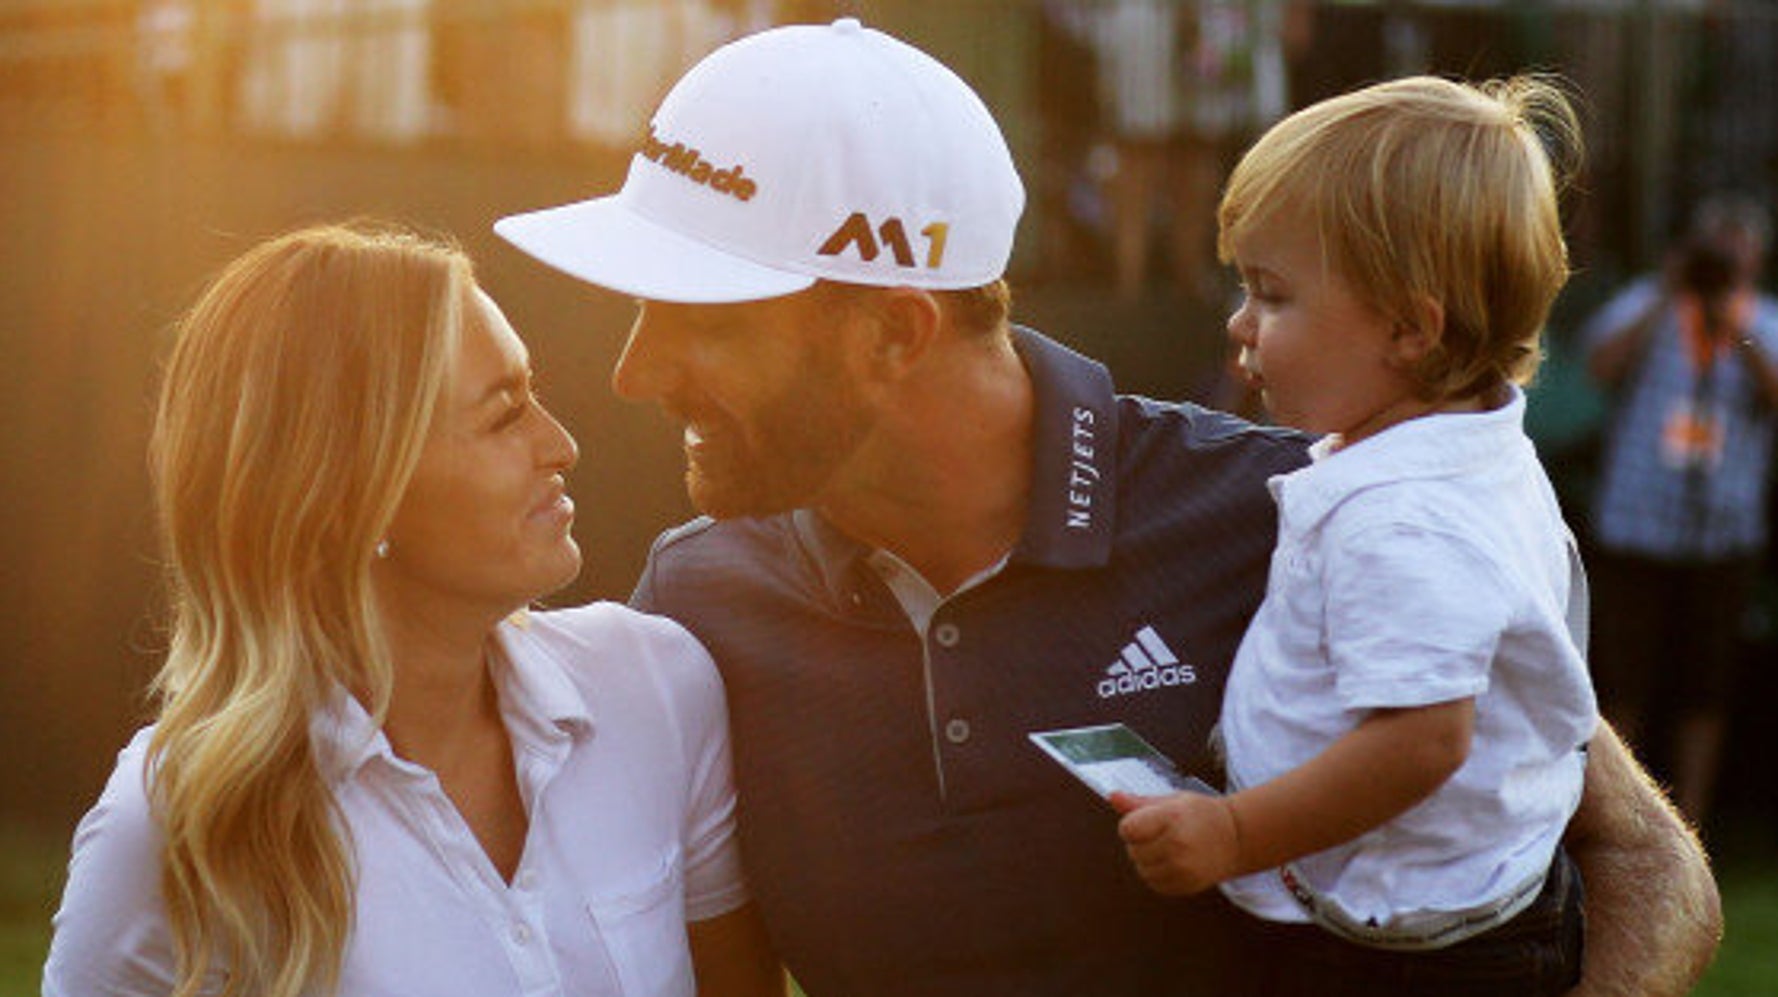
<point x="946" y="634"/>
<point x="527" y="880"/>
<point x="957" y="731"/>
<point x="521" y="933"/>
<point x="856" y="598"/>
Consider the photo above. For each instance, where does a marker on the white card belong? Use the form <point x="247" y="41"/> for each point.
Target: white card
<point x="1113" y="758"/>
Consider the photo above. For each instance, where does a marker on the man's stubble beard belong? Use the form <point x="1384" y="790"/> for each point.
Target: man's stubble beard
<point x="799" y="440"/>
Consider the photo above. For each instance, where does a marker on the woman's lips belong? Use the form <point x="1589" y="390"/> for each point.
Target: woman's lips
<point x="556" y="504"/>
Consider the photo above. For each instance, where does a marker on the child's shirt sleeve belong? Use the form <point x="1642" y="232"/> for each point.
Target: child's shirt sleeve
<point x="1414" y="616"/>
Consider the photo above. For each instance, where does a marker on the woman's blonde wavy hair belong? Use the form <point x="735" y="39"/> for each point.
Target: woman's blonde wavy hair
<point x="295" y="404"/>
<point x="1429" y="190"/>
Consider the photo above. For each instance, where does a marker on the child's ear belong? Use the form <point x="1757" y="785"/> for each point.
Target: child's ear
<point x="1418" y="333"/>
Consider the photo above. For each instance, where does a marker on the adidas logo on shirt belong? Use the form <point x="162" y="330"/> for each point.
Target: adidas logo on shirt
<point x="1146" y="663"/>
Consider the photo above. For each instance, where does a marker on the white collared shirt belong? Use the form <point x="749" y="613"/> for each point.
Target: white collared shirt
<point x="620" y="741"/>
<point x="1426" y="564"/>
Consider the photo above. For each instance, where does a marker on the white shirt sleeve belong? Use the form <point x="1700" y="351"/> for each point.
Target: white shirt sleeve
<point x="1414" y="617"/>
<point x="111" y="935"/>
<point x="714" y="884"/>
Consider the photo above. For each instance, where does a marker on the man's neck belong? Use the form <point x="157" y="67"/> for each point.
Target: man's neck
<point x="947" y="485"/>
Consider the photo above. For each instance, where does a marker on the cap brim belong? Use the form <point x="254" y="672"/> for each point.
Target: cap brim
<point x="602" y="242"/>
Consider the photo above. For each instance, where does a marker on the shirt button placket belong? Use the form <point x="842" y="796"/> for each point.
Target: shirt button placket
<point x="527" y="939"/>
<point x="947" y="635"/>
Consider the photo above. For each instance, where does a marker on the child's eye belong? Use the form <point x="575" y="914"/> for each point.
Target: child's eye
<point x="1262" y="293"/>
<point x="1259" y="287"/>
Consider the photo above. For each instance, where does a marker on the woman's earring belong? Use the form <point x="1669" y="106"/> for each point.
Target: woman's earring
<point x="383" y="550"/>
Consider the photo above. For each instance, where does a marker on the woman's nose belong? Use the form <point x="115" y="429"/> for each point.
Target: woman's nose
<point x="560" y="450"/>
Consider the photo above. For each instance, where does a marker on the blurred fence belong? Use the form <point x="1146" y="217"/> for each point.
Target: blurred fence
<point x="143" y="143"/>
<point x="1677" y="95"/>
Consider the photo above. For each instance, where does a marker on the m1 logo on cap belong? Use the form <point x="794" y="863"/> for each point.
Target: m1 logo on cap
<point x="856" y="231"/>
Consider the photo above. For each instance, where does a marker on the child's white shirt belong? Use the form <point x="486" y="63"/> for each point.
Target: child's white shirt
<point x="1425" y="564"/>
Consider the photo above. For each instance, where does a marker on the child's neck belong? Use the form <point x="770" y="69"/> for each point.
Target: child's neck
<point x="1468" y="403"/>
<point x="1483" y="401"/>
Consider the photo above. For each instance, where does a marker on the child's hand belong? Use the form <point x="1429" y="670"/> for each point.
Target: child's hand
<point x="1180" y="844"/>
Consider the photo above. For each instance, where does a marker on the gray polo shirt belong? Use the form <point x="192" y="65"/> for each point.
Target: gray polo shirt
<point x="901" y="834"/>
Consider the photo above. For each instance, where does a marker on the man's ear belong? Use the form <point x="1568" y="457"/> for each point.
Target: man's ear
<point x="1417" y="334"/>
<point x="905" y="327"/>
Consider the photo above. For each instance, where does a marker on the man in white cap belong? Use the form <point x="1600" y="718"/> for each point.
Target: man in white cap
<point x="931" y="533"/>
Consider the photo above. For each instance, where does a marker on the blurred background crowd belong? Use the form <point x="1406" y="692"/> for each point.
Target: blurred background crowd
<point x="144" y="142"/>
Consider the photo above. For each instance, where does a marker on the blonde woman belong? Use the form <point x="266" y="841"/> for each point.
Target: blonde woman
<point x="371" y="772"/>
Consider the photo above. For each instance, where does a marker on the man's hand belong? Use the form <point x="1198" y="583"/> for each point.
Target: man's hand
<point x="1180" y="844"/>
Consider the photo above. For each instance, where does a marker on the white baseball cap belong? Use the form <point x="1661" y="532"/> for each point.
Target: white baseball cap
<point x="799" y="153"/>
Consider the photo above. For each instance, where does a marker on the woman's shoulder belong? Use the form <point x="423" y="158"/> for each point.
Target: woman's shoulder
<point x="602" y="644"/>
<point x="110" y="934"/>
<point x="601" y="625"/>
<point x="123" y="804"/>
<point x="120" y="829"/>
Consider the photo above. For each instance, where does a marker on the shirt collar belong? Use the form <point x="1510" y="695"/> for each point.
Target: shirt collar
<point x="344" y="737"/>
<point x="534" y="683"/>
<point x="538" y="700"/>
<point x="1072" y="508"/>
<point x="1072" y="511"/>
<point x="1431" y="446"/>
<point x="914" y="593"/>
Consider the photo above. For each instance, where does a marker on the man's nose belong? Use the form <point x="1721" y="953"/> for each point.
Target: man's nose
<point x="641" y="370"/>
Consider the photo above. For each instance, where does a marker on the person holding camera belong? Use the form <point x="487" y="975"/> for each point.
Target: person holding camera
<point x="1679" y="515"/>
